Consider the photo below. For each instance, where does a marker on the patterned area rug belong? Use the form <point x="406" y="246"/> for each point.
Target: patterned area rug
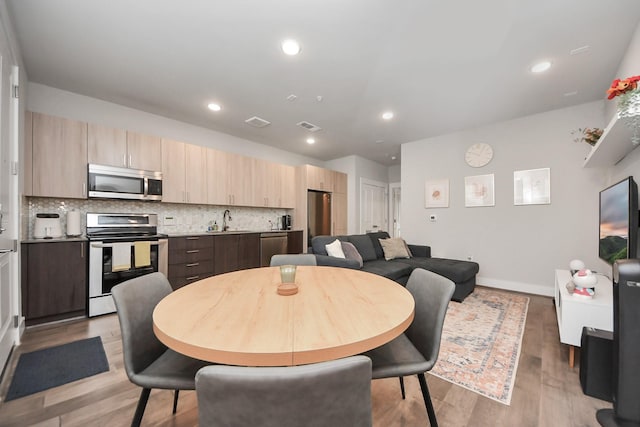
<point x="481" y="342"/>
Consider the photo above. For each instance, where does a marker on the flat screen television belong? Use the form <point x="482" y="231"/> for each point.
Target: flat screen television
<point x="619" y="221"/>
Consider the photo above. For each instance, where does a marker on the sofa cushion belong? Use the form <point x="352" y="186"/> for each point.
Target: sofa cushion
<point x="376" y="242"/>
<point x="350" y="252"/>
<point x="389" y="269"/>
<point x="394" y="248"/>
<point x="318" y="243"/>
<point x="363" y="244"/>
<point x="335" y="249"/>
<point x="453" y="269"/>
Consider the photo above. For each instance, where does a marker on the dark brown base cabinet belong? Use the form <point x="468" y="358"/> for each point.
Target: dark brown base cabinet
<point x="294" y="242"/>
<point x="190" y="259"/>
<point x="54" y="281"/>
<point x="196" y="257"/>
<point x="236" y="252"/>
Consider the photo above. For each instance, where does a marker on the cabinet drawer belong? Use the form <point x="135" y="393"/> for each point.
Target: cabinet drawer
<point x="187" y="256"/>
<point x="190" y="242"/>
<point x="201" y="268"/>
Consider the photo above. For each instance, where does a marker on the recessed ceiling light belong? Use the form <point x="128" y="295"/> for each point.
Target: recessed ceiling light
<point x="214" y="107"/>
<point x="387" y="115"/>
<point x="290" y="47"/>
<point x="393" y="157"/>
<point x="311" y="141"/>
<point x="541" y="67"/>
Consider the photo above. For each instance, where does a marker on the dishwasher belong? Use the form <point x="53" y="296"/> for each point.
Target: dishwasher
<point x="272" y="244"/>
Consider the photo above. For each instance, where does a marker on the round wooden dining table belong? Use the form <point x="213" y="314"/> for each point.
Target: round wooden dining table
<point x="239" y="318"/>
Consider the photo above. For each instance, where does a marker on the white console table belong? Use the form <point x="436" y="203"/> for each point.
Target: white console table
<point x="575" y="312"/>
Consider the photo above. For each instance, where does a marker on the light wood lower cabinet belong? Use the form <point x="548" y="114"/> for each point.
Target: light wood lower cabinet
<point x="54" y="281"/>
<point x="339" y="214"/>
<point x="59" y="157"/>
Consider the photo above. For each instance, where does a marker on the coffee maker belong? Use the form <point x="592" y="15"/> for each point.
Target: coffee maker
<point x="286" y="222"/>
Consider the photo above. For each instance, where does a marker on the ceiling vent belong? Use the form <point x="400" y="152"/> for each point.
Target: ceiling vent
<point x="257" y="122"/>
<point x="309" y="126"/>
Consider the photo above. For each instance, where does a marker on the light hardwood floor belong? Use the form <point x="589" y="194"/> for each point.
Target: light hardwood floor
<point x="547" y="392"/>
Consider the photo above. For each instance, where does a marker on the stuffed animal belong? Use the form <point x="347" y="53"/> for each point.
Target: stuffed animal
<point x="618" y="87"/>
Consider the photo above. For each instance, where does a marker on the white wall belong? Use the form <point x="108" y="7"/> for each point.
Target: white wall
<point x="395" y="173"/>
<point x="517" y="247"/>
<point x="630" y="66"/>
<point x="49" y="100"/>
<point x="357" y="167"/>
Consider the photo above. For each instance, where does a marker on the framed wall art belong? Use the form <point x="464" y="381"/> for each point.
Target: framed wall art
<point x="479" y="191"/>
<point x="532" y="187"/>
<point x="436" y="193"/>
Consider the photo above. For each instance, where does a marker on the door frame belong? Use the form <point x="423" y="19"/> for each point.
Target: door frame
<point x="391" y="202"/>
<point x="385" y="186"/>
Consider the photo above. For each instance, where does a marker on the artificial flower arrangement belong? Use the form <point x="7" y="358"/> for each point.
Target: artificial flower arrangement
<point x="588" y="135"/>
<point x="618" y="87"/>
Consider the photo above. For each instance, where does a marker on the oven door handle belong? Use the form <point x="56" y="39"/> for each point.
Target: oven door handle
<point x="110" y="245"/>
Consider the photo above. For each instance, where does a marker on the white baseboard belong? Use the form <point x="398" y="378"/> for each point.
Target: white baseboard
<point x="529" y="288"/>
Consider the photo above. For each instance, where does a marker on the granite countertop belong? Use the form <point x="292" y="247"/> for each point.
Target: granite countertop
<point x="217" y="233"/>
<point x="55" y="239"/>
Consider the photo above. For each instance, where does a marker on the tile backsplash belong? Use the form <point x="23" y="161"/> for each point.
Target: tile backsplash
<point x="186" y="218"/>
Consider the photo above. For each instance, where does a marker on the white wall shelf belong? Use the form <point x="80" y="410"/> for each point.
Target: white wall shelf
<point x="613" y="146"/>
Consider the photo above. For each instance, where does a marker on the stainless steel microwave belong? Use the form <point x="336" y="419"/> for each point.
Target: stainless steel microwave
<point x="109" y="182"/>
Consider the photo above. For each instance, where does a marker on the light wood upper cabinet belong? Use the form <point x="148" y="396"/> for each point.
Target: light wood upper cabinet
<point x="229" y="179"/>
<point x="121" y="148"/>
<point x="144" y="151"/>
<point x="184" y="172"/>
<point x="107" y="146"/>
<point x="319" y="178"/>
<point x="273" y="184"/>
<point x="27" y="188"/>
<point x="340" y="182"/>
<point x="217" y="177"/>
<point x="287" y="186"/>
<point x="196" y="173"/>
<point x="173" y="174"/>
<point x="59" y="157"/>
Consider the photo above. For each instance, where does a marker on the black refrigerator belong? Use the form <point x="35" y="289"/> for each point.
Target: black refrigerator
<point x="318" y="214"/>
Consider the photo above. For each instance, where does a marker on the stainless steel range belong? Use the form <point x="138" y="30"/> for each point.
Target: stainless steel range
<point x="121" y="247"/>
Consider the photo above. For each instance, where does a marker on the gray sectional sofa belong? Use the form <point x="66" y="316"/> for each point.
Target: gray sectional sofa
<point x="462" y="273"/>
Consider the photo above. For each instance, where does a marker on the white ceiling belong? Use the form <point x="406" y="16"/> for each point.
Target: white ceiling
<point x="440" y="65"/>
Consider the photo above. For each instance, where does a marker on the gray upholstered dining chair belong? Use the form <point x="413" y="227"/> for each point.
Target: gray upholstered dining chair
<point x="293" y="259"/>
<point x="149" y="363"/>
<point x="336" y="393"/>
<point x="416" y="351"/>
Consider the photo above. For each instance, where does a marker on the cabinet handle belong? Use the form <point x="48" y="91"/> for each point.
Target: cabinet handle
<point x="130" y="160"/>
<point x="81" y="249"/>
<point x="193" y="251"/>
<point x="193" y="238"/>
<point x="192" y="278"/>
<point x="84" y="188"/>
<point x="124" y="160"/>
<point x="195" y="264"/>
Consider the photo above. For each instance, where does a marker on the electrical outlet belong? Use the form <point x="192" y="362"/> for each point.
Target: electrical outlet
<point x="469" y="257"/>
<point x="433" y="218"/>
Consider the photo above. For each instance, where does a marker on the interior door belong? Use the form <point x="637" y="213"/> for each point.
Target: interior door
<point x="394" y="210"/>
<point x="373" y="206"/>
<point x="9" y="210"/>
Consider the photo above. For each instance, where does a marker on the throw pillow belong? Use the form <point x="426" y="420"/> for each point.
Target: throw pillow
<point x="394" y="248"/>
<point x="350" y="252"/>
<point x="335" y="249"/>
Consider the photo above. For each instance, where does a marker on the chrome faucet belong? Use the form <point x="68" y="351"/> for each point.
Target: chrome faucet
<point x="225" y="215"/>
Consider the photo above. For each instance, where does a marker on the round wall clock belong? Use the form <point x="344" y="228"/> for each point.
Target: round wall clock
<point x="478" y="155"/>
